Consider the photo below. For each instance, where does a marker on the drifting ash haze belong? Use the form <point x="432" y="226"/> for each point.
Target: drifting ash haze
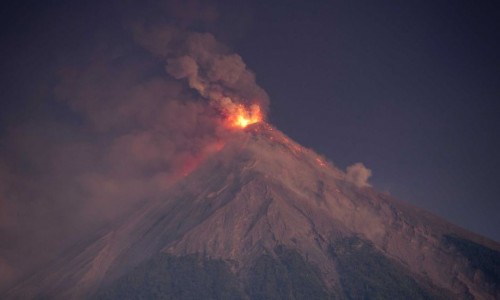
<point x="139" y="114"/>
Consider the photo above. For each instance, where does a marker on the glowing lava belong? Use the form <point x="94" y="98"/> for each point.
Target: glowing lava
<point x="240" y="116"/>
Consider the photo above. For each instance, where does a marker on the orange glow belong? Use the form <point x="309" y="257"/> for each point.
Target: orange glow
<point x="320" y="162"/>
<point x="189" y="163"/>
<point x="241" y="116"/>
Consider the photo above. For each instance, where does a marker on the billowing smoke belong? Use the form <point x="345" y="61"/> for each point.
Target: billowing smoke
<point x="358" y="174"/>
<point x="208" y="66"/>
<point x="122" y="123"/>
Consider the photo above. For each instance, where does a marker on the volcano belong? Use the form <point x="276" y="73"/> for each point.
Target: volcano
<point x="265" y="218"/>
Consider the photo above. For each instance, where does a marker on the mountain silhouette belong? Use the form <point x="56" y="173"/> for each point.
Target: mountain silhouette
<point x="265" y="218"/>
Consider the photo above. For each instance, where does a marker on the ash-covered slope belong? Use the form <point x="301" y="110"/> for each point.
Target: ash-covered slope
<point x="271" y="219"/>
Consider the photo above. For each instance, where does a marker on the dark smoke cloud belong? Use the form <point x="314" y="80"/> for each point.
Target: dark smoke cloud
<point x="207" y="65"/>
<point x="126" y="120"/>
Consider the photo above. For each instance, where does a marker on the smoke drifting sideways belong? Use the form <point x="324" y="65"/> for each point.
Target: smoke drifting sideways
<point x="139" y="115"/>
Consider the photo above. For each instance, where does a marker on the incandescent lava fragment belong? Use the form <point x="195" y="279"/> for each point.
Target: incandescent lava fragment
<point x="240" y="116"/>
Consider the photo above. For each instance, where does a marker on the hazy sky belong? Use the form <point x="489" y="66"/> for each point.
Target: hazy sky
<point x="409" y="88"/>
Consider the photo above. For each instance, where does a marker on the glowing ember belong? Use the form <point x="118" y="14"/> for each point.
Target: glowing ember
<point x="241" y="116"/>
<point x="320" y="162"/>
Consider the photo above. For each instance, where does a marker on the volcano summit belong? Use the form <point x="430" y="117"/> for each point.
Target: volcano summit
<point x="265" y="218"/>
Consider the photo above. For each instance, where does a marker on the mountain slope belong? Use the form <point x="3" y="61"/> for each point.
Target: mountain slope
<point x="265" y="207"/>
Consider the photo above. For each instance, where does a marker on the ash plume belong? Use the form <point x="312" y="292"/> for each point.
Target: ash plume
<point x="358" y="174"/>
<point x="207" y="65"/>
<point x="126" y="120"/>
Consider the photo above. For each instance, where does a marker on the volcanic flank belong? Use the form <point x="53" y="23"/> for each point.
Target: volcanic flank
<point x="265" y="218"/>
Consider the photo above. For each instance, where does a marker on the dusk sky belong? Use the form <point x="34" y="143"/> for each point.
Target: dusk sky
<point x="408" y="88"/>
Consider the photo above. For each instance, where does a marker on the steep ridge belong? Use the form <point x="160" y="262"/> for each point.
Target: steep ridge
<point x="264" y="203"/>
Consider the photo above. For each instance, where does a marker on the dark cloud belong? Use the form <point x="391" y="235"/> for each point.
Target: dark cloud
<point x="207" y="65"/>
